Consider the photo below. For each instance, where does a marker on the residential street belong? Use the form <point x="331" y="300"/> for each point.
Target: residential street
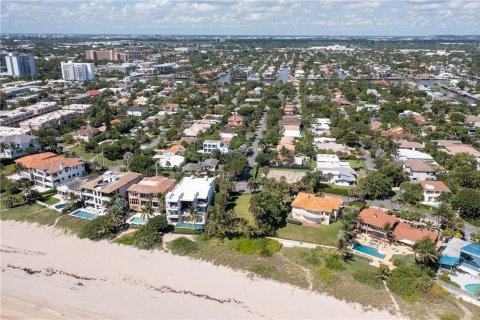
<point x="242" y="183"/>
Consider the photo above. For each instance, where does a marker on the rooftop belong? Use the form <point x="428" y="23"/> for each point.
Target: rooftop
<point x="312" y="202"/>
<point x="48" y="162"/>
<point x="376" y="217"/>
<point x="153" y="185"/>
<point x="190" y="188"/>
<point x="111" y="181"/>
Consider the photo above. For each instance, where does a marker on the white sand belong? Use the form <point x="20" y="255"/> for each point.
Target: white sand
<point x="131" y="284"/>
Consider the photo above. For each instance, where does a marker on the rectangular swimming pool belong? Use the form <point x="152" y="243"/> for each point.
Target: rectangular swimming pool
<point x="79" y="213"/>
<point x="368" y="250"/>
<point x="136" y="220"/>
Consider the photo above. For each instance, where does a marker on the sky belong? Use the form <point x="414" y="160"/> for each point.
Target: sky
<point x="243" y="17"/>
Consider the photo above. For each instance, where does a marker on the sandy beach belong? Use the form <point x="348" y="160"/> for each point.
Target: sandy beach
<point x="49" y="275"/>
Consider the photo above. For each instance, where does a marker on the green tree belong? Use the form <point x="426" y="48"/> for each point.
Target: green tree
<point x="375" y="185"/>
<point x="425" y="252"/>
<point x="467" y="202"/>
<point x="411" y="192"/>
<point x="270" y="214"/>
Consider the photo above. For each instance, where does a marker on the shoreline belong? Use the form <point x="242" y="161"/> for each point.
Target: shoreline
<point x="52" y="275"/>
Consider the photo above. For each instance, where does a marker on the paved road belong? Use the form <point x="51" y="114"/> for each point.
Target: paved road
<point x="242" y="183"/>
<point x="368" y="160"/>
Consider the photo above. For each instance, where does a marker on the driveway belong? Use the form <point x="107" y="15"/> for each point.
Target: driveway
<point x="368" y="160"/>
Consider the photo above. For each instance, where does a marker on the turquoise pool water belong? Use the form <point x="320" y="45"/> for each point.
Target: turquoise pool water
<point x="83" y="214"/>
<point x="473" y="288"/>
<point x="60" y="206"/>
<point x="368" y="250"/>
<point x="136" y="220"/>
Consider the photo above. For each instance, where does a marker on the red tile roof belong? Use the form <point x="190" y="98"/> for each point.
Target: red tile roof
<point x="406" y="233"/>
<point x="376" y="217"/>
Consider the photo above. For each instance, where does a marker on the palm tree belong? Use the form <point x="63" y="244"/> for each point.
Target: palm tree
<point x="383" y="272"/>
<point x="252" y="184"/>
<point x="429" y="225"/>
<point x="8" y="202"/>
<point x="425" y="252"/>
<point x="342" y="247"/>
<point x="193" y="216"/>
<point x="147" y="212"/>
<point x="162" y="206"/>
<point x="387" y="231"/>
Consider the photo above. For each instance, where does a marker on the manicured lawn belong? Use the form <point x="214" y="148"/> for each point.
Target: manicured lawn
<point x="240" y="204"/>
<point x="8" y="170"/>
<point x="80" y="152"/>
<point x="326" y="235"/>
<point x="357" y="264"/>
<point x="51" y="201"/>
<point x="409" y="258"/>
<point x="30" y="213"/>
<point x="71" y="223"/>
<point x="357" y="164"/>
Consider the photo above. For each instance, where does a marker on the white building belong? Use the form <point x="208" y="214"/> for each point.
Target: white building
<point x="78" y="71"/>
<point x="340" y="171"/>
<point x="210" y="145"/>
<point x="101" y="190"/>
<point x="432" y="190"/>
<point x="169" y="160"/>
<point x="79" y="108"/>
<point x="14" y="146"/>
<point x="190" y="192"/>
<point x="20" y="65"/>
<point x="49" y="170"/>
<point x="48" y="120"/>
<point x="407" y="154"/>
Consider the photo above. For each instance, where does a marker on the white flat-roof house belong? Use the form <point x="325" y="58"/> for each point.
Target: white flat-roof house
<point x="407" y="154"/>
<point x="191" y="191"/>
<point x="169" y="160"/>
<point x="210" y="145"/>
<point x="341" y="172"/>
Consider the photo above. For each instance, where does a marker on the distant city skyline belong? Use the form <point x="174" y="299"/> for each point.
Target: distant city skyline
<point x="209" y="17"/>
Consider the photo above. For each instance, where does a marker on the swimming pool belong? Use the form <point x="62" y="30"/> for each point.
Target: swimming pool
<point x="368" y="250"/>
<point x="60" y="206"/>
<point x="79" y="213"/>
<point x="473" y="288"/>
<point x="136" y="220"/>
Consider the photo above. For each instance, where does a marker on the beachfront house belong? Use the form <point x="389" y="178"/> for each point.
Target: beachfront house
<point x="188" y="202"/>
<point x="49" y="170"/>
<point x="98" y="192"/>
<point x="372" y="221"/>
<point x="314" y="210"/>
<point x="148" y="191"/>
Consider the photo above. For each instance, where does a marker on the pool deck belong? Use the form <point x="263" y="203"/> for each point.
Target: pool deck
<point x="383" y="247"/>
<point x="464" y="279"/>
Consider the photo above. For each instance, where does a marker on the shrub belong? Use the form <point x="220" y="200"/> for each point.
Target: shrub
<point x="262" y="270"/>
<point x="127" y="240"/>
<point x="311" y="256"/>
<point x="264" y="247"/>
<point x="369" y="278"/>
<point x="187" y="231"/>
<point x="183" y="246"/>
<point x="160" y="223"/>
<point x="327" y="276"/>
<point x="409" y="281"/>
<point x="97" y="229"/>
<point x="450" y="316"/>
<point x="147" y="238"/>
<point x="333" y="262"/>
<point x="333" y="190"/>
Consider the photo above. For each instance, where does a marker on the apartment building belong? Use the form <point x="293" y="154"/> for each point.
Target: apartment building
<point x="79" y="108"/>
<point x="190" y="192"/>
<point x="14" y="146"/>
<point x="49" y="170"/>
<point x="147" y="192"/>
<point x="311" y="209"/>
<point x="77" y="71"/>
<point x="101" y="190"/>
<point x="20" y="65"/>
<point x="113" y="55"/>
<point x="15" y="116"/>
<point x="48" y="120"/>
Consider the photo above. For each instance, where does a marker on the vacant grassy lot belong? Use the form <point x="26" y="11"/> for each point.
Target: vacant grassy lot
<point x="51" y="201"/>
<point x="8" y="170"/>
<point x="80" y="152"/>
<point x="71" y="224"/>
<point x="31" y="213"/>
<point x="241" y="204"/>
<point x="357" y="164"/>
<point x="325" y="235"/>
